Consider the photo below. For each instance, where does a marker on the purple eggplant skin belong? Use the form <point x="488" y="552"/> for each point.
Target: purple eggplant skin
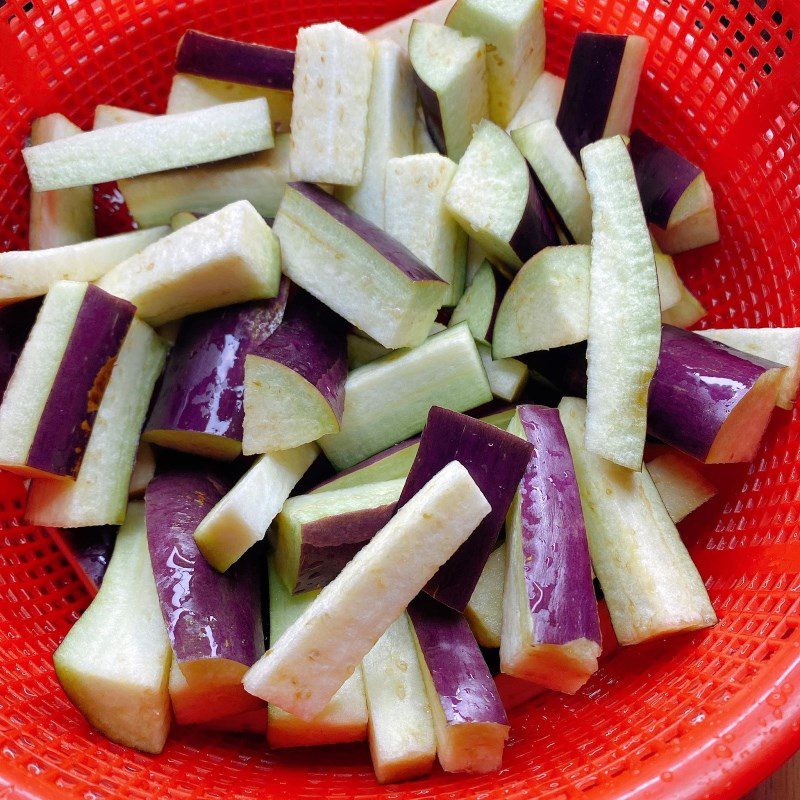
<point x="535" y="230"/>
<point x="564" y="367"/>
<point x="238" y="62"/>
<point x="432" y="111"/>
<point x="662" y="176"/>
<point x="394" y="252"/>
<point x="555" y="551"/>
<point x="329" y="543"/>
<point x="460" y="676"/>
<point x="16" y="321"/>
<point x="312" y="341"/>
<point x="696" y="386"/>
<point x="594" y="66"/>
<point x="80" y="383"/>
<point x="209" y="615"/>
<point x="91" y="550"/>
<point x="202" y="390"/>
<point x="496" y="460"/>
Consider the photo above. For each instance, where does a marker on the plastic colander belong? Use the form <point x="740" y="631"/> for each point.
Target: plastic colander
<point x="700" y="716"/>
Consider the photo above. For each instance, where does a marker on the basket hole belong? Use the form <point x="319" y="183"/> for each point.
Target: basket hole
<point x="739" y="36"/>
<point x="777" y="17"/>
<point x="750" y="19"/>
<point x="724" y="21"/>
<point x="788" y="632"/>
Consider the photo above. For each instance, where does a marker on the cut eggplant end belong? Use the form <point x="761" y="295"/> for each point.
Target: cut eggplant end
<point x="206" y="445"/>
<point x="560" y="667"/>
<point x="478" y="304"/>
<point x="144" y="468"/>
<point x="699" y="230"/>
<point x="484" y="612"/>
<point x="515" y="692"/>
<point x="507" y="376"/>
<point x="281" y="408"/>
<point x="474" y="747"/>
<point x="682" y="487"/>
<point x="541" y="102"/>
<point x="686" y="312"/>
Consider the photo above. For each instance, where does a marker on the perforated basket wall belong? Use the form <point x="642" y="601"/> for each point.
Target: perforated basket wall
<point x="704" y="716"/>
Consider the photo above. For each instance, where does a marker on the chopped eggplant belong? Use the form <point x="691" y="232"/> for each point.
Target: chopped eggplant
<point x="106" y="116"/>
<point x="479" y="304"/>
<point x="542" y="102"/>
<point x="144" y="469"/>
<point x="16" y="322"/>
<point x="88" y="551"/>
<point x="484" y="612"/>
<point x="507" y="376"/>
<point x="686" y="312"/>
<point x="397" y="30"/>
<point x="682" y="486"/>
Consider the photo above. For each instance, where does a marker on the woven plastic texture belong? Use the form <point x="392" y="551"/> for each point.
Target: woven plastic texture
<point x="703" y="716"/>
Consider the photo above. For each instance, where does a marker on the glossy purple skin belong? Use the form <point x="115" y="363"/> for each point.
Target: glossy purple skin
<point x="696" y="386"/>
<point x="460" y="676"/>
<point x="387" y="246"/>
<point x="312" y="341"/>
<point x="555" y="552"/>
<point x="91" y="549"/>
<point x="80" y="383"/>
<point x="238" y="62"/>
<point x="496" y="460"/>
<point x="329" y="543"/>
<point x="535" y="230"/>
<point x="432" y="112"/>
<point x="208" y="614"/>
<point x="203" y="386"/>
<point x="16" y="322"/>
<point x="662" y="176"/>
<point x="589" y="89"/>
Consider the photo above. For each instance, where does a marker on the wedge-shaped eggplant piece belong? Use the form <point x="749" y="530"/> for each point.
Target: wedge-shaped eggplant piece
<point x="682" y="486"/>
<point x="559" y="176"/>
<point x="388" y="400"/>
<point x="294" y="380"/>
<point x="323" y="647"/>
<point x="16" y="322"/>
<point x="191" y="93"/>
<point x="150" y="145"/>
<point x="416" y="216"/>
<point x="468" y="717"/>
<point x="213" y="619"/>
<point x="144" y="468"/>
<point x="496" y="460"/>
<point x="62" y="216"/>
<point x="507" y="377"/>
<point x="711" y="401"/>
<point x="422" y="137"/>
<point x="675" y="194"/>
<point x="515" y="43"/>
<point x="356" y="269"/>
<point x="114" y="662"/>
<point x="686" y="312"/>
<point x="390" y="130"/>
<point x="260" y="178"/>
<point x="495" y="200"/>
<point x="344" y="719"/>
<point x="332" y="82"/>
<point x="99" y="493"/>
<point x="600" y="89"/>
<point x="541" y="102"/>
<point x="228" y="257"/>
<point x="551" y="628"/>
<point x="649" y="581"/>
<point x="781" y="345"/>
<point x="106" y="116"/>
<point x="624" y="308"/>
<point x="317" y="534"/>
<point x="484" y="612"/>
<point x="200" y="406"/>
<point x="450" y="70"/>
<point x="363" y="350"/>
<point x="88" y="551"/>
<point x="31" y="273"/>
<point x="479" y="304"/>
<point x="401" y="737"/>
<point x="241" y="518"/>
<point x="397" y="29"/>
<point x="53" y="396"/>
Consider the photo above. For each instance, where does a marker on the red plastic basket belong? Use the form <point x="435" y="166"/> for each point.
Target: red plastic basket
<point x="703" y="716"/>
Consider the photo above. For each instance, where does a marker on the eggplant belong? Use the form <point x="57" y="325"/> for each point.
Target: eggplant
<point x="401" y="738"/>
<point x="150" y="145"/>
<point x="507" y="376"/>
<point x="624" y="307"/>
<point x="294" y="381"/>
<point x="16" y="322"/>
<point x="416" y="216"/>
<point x="241" y="518"/>
<point x="200" y="405"/>
<point x="106" y="116"/>
<point x="494" y="198"/>
<point x="53" y="396"/>
<point x="363" y="350"/>
<point x="496" y="460"/>
<point x="230" y="256"/>
<point x="551" y="627"/>
<point x="781" y="345"/>
<point x="541" y="102"/>
<point x="318" y="534"/>
<point x="479" y="304"/>
<point x="686" y="312"/>
<point x="88" y="551"/>
<point x="144" y="468"/>
<point x="388" y="400"/>
<point x="397" y="30"/>
<point x="649" y="581"/>
<point x="484" y="612"/>
<point x="329" y="251"/>
<point x="515" y="44"/>
<point x="330" y="107"/>
<point x="323" y="647"/>
<point x="213" y="620"/>
<point x="600" y="88"/>
<point x="711" y="401"/>
<point x="99" y="494"/>
<point x="468" y="717"/>
<point x="682" y="486"/>
<point x="26" y="274"/>
<point x="64" y="216"/>
<point x="114" y="662"/>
